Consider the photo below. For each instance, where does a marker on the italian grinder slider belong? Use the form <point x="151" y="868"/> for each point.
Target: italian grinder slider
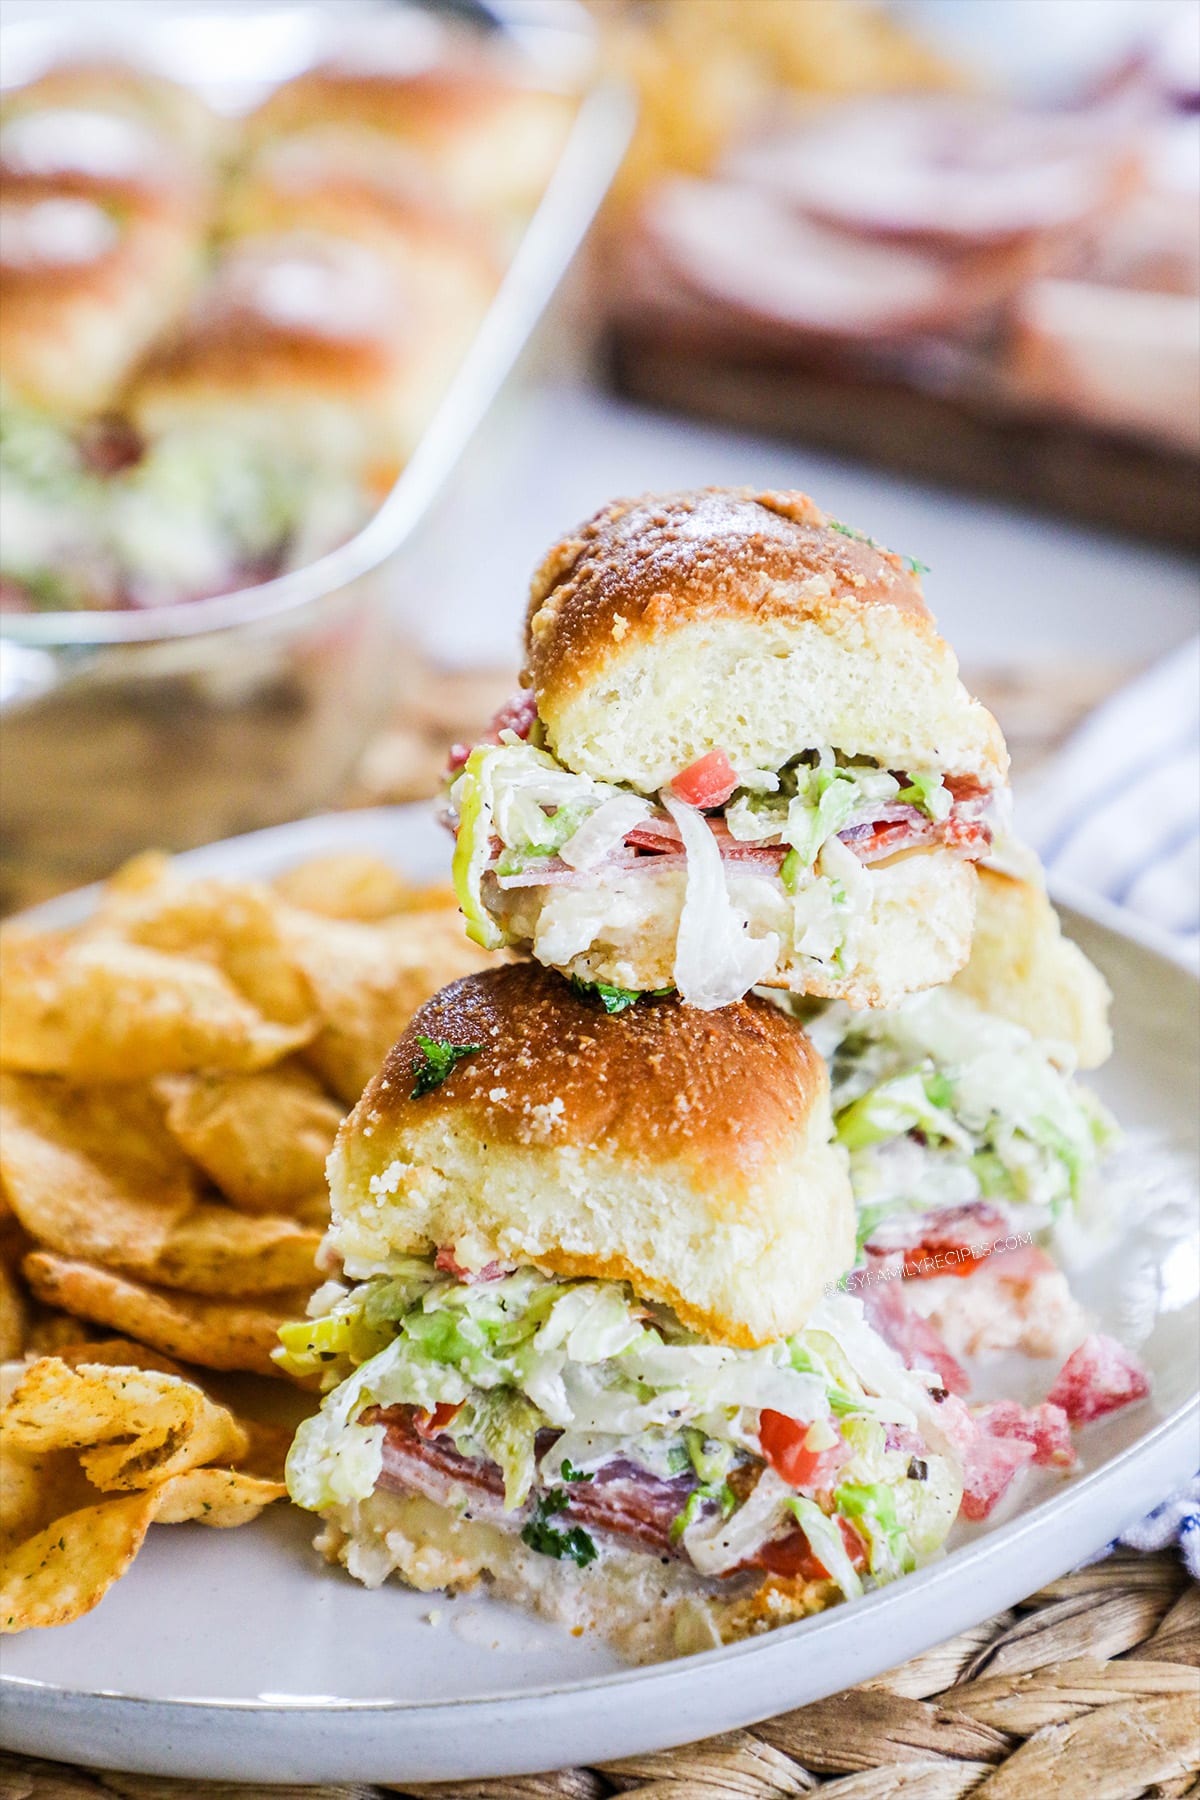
<point x="745" y="758"/>
<point x="584" y="1349"/>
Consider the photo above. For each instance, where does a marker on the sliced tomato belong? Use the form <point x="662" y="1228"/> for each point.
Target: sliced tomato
<point x="793" y="1555"/>
<point x="783" y="1445"/>
<point x="708" y="781"/>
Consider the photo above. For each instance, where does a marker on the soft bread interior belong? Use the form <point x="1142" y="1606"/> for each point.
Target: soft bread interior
<point x="647" y="1607"/>
<point x="915" y="931"/>
<point x="743" y="1271"/>
<point x="866" y="681"/>
<point x="1022" y="968"/>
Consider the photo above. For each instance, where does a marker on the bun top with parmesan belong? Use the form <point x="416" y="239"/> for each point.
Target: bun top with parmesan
<point x="687" y="1152"/>
<point x="673" y="624"/>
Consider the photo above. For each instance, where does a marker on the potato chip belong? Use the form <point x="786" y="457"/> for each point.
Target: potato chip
<point x="262" y="1138"/>
<point x="233" y="924"/>
<point x="216" y="1250"/>
<point x="368" y="980"/>
<point x="66" y="1433"/>
<point x="50" y="1329"/>
<point x="37" y="1486"/>
<point x="122" y="1353"/>
<point x="67" y="1568"/>
<point x="267" y="1449"/>
<point x="131" y="1428"/>
<point x="100" y="1009"/>
<point x="217" y="1334"/>
<point x="351" y="884"/>
<point x="14" y="1314"/>
<point x="218" y="1497"/>
<point x="89" y="1167"/>
<point x="93" y="1172"/>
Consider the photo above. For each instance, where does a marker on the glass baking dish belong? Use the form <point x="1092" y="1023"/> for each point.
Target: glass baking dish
<point x="172" y="726"/>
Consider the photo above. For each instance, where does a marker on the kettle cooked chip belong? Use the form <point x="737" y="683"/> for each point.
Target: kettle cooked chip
<point x="66" y="1433"/>
<point x="262" y="1138"/>
<point x="216" y="1334"/>
<point x="93" y="1172"/>
<point x="101" y="1009"/>
<point x="352" y="884"/>
<point x="129" y="1427"/>
<point x="235" y="925"/>
<point x="369" y="980"/>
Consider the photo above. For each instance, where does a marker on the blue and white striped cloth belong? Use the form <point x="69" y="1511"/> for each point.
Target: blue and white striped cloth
<point x="1118" y="812"/>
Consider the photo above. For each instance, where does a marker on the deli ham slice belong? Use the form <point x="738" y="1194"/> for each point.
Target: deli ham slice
<point x="916" y="1342"/>
<point x="622" y="1499"/>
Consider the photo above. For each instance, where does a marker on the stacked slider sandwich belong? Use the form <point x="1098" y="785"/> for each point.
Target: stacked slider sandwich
<point x="584" y="1349"/>
<point x="746" y="758"/>
<point x="589" y="1343"/>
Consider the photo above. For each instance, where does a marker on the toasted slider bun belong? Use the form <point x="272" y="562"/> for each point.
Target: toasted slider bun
<point x="86" y="283"/>
<point x="169" y="107"/>
<point x="670" y="625"/>
<point x="104" y="215"/>
<point x="685" y="1152"/>
<point x="363" y="187"/>
<point x="916" y="933"/>
<point x="648" y="1607"/>
<point x="1023" y="968"/>
<point x="306" y="338"/>
<point x="488" y="140"/>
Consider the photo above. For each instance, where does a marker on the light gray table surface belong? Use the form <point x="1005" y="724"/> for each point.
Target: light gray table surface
<point x="1009" y="588"/>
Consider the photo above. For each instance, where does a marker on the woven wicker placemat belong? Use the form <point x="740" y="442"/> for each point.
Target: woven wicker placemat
<point x="1089" y="1690"/>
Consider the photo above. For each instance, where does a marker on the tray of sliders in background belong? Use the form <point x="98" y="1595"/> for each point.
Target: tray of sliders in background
<point x="265" y="274"/>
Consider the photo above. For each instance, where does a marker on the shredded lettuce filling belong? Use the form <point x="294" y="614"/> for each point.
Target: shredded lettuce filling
<point x="197" y="512"/>
<point x="516" y="796"/>
<point x="604" y="1378"/>
<point x="939" y="1103"/>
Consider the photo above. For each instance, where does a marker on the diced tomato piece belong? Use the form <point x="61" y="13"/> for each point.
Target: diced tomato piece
<point x="428" y="1424"/>
<point x="447" y="1263"/>
<point x="793" y="1556"/>
<point x="988" y="1471"/>
<point x="1046" y="1427"/>
<point x="708" y="781"/>
<point x="965" y="787"/>
<point x="784" y="1446"/>
<point x="1097" y="1378"/>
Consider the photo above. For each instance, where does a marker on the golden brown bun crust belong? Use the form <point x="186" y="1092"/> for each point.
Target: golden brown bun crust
<point x="686" y="1152"/>
<point x="722" y="1091"/>
<point x="427" y="106"/>
<point x="720" y="552"/>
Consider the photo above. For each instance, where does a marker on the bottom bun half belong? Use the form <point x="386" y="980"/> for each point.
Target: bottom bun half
<point x="909" y="928"/>
<point x="647" y="1607"/>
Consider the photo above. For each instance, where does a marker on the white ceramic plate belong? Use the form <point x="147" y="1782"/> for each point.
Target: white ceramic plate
<point x="240" y="1654"/>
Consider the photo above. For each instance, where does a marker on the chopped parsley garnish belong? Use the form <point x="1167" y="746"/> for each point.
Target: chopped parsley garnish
<point x="440" y="1058"/>
<point x="616" y="999"/>
<point x="916" y="566"/>
<point x="548" y="1540"/>
<point x="571" y="1473"/>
